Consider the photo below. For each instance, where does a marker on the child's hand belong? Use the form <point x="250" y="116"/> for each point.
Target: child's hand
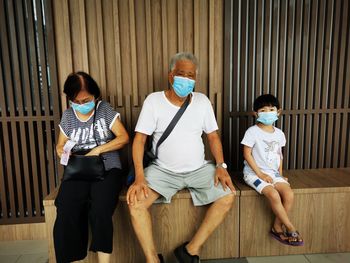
<point x="266" y="178"/>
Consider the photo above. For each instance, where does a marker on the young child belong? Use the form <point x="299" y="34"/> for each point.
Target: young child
<point x="263" y="167"/>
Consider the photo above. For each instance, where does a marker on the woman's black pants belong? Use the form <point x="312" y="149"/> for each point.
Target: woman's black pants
<point x="80" y="203"/>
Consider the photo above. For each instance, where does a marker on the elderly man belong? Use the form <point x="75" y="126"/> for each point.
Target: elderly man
<point x="180" y="163"/>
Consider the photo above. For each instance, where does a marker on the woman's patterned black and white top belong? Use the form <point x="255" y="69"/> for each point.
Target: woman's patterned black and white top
<point x="81" y="132"/>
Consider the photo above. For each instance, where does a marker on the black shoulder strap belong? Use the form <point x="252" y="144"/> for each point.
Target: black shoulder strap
<point x="93" y="123"/>
<point x="173" y="123"/>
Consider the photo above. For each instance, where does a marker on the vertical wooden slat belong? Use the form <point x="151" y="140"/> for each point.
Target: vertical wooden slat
<point x="4" y="200"/>
<point x="211" y="46"/>
<point x="203" y="35"/>
<point x="63" y="44"/>
<point x="239" y="59"/>
<point x="337" y="67"/>
<point x="262" y="37"/>
<point x="196" y="27"/>
<point x="285" y="50"/>
<point x="165" y="44"/>
<point x="188" y="25"/>
<point x="254" y="50"/>
<point x="149" y="47"/>
<point x="218" y="62"/>
<point x="34" y="165"/>
<point x="78" y="35"/>
<point x="109" y="48"/>
<point x="246" y="62"/>
<point x="270" y="44"/>
<point x="227" y="124"/>
<point x="119" y="82"/>
<point x="101" y="50"/>
<point x="180" y="26"/>
<point x="133" y="53"/>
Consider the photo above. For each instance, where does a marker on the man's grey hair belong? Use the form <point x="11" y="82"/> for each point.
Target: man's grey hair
<point x="183" y="56"/>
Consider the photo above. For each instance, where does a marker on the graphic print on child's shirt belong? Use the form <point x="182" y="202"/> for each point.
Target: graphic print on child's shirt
<point x="272" y="156"/>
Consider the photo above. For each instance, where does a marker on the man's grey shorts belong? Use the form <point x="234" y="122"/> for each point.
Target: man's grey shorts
<point x="200" y="183"/>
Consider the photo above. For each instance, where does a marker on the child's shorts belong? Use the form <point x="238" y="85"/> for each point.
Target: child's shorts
<point x="258" y="184"/>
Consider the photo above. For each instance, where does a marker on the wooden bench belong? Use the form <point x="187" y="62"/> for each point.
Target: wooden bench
<point x="173" y="224"/>
<point x="321" y="213"/>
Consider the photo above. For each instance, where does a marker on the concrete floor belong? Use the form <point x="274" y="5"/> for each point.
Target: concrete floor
<point x="35" y="251"/>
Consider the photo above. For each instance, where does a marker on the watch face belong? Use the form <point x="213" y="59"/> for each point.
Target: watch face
<point x="224" y="165"/>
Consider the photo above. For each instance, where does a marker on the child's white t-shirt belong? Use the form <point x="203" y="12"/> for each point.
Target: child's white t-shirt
<point x="266" y="149"/>
<point x="183" y="150"/>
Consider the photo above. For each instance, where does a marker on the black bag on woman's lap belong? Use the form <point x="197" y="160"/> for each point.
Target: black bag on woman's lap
<point x="85" y="168"/>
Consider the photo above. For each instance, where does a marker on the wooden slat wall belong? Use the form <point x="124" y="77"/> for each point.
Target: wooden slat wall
<point x="126" y="46"/>
<point x="29" y="110"/>
<point x="298" y="50"/>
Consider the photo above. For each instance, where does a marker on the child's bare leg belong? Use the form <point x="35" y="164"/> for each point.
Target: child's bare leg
<point x="277" y="207"/>
<point x="287" y="196"/>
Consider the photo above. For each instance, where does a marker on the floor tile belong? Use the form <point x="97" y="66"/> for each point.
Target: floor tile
<point x="279" y="259"/>
<point x="35" y="258"/>
<point x="329" y="258"/>
<point x="23" y="247"/>
<point x="8" y="258"/>
<point x="238" y="260"/>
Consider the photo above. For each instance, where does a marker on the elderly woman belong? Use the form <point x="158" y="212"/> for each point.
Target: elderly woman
<point x="93" y="128"/>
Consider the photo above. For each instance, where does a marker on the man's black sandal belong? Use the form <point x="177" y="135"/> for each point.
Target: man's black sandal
<point x="183" y="256"/>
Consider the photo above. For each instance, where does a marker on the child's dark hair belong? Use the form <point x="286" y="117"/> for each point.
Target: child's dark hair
<point x="77" y="81"/>
<point x="266" y="100"/>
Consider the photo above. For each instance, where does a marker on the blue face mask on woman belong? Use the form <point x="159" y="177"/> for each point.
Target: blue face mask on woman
<point x="267" y="118"/>
<point x="83" y="108"/>
<point x="183" y="86"/>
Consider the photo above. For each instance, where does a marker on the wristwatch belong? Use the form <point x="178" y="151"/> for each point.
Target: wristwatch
<point x="222" y="165"/>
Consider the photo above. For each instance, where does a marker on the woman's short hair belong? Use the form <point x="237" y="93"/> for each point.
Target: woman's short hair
<point x="78" y="81"/>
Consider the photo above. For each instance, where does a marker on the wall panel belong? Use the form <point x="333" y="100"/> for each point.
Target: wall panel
<point x="126" y="46"/>
<point x="297" y="50"/>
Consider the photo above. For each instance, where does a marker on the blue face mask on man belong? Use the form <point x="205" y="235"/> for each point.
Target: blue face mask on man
<point x="183" y="86"/>
<point x="267" y="118"/>
<point x="83" y="108"/>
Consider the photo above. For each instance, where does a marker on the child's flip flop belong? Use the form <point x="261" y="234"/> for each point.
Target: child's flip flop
<point x="294" y="238"/>
<point x="279" y="236"/>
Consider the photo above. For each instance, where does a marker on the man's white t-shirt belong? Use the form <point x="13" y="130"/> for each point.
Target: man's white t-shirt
<point x="183" y="150"/>
<point x="266" y="149"/>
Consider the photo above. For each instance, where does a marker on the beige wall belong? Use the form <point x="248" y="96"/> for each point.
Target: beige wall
<point x="126" y="46"/>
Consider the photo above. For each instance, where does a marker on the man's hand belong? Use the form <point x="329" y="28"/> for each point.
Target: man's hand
<point x="136" y="192"/>
<point x="265" y="178"/>
<point x="222" y="175"/>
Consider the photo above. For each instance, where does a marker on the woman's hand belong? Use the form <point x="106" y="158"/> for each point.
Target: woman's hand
<point x="94" y="152"/>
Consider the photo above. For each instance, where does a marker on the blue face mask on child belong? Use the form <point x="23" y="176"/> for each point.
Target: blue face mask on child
<point x="183" y="86"/>
<point x="267" y="118"/>
<point x="83" y="108"/>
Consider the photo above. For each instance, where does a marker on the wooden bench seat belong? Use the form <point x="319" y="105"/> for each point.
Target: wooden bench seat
<point x="321" y="213"/>
<point x="172" y="224"/>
